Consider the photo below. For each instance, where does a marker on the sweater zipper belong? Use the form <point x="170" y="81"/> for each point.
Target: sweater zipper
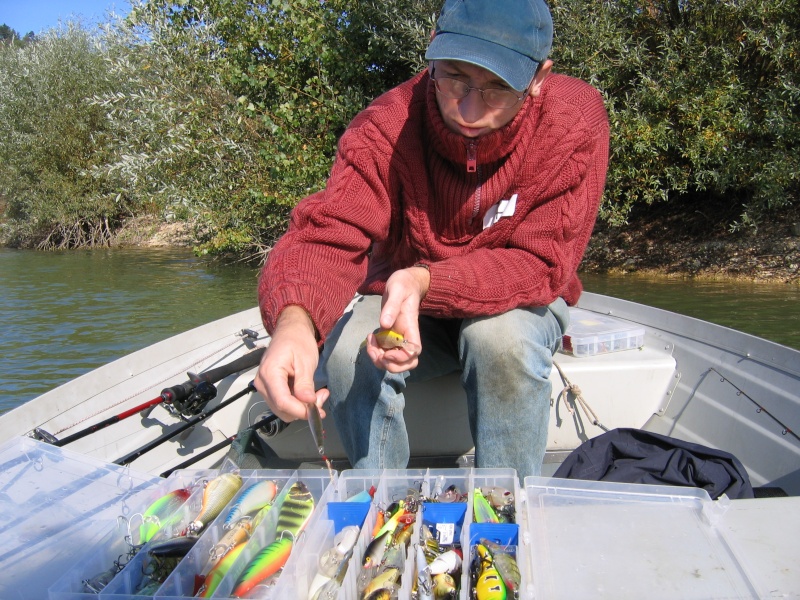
<point x="472" y="167"/>
<point x="472" y="157"/>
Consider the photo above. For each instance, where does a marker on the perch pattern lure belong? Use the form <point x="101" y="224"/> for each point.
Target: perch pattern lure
<point x="296" y="509"/>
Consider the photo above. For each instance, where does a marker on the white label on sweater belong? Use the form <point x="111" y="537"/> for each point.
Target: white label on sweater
<point x="504" y="208"/>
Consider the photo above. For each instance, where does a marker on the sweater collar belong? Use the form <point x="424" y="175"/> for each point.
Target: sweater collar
<point x="461" y="150"/>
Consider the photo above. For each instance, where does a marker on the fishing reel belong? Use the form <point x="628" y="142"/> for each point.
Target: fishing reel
<point x="194" y="403"/>
<point x="271" y="426"/>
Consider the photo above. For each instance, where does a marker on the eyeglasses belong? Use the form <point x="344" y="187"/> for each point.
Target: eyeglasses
<point x="494" y="97"/>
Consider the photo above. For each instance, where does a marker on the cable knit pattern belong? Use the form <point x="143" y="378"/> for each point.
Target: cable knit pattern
<point x="399" y="193"/>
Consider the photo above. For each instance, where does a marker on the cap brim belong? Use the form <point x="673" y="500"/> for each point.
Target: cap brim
<point x="512" y="67"/>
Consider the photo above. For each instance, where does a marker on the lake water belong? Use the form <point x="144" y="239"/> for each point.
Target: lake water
<point x="63" y="314"/>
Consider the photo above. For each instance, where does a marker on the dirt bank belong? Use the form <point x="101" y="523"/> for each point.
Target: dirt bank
<point x="668" y="241"/>
<point x="686" y="240"/>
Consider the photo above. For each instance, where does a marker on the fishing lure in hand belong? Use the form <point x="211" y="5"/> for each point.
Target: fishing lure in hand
<point x="389" y="339"/>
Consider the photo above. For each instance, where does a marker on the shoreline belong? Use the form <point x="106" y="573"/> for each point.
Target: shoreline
<point x="645" y="247"/>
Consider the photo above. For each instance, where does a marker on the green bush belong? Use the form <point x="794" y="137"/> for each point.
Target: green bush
<point x="703" y="97"/>
<point x="48" y="139"/>
<point x="227" y="112"/>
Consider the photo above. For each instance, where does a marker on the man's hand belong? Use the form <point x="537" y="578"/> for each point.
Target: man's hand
<point x="286" y="375"/>
<point x="405" y="290"/>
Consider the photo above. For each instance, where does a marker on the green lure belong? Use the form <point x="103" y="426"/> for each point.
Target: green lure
<point x="218" y="571"/>
<point x="295" y="510"/>
<point x="156" y="515"/>
<point x="264" y="565"/>
<point x="484" y="513"/>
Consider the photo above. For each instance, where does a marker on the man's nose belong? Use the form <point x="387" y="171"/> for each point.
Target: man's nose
<point x="472" y="106"/>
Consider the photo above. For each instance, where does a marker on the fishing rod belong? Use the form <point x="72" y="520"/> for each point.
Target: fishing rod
<point x="226" y="442"/>
<point x="201" y="416"/>
<point x="187" y="397"/>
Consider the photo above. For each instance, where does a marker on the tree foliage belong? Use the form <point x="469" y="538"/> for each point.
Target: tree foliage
<point x="48" y="137"/>
<point x="227" y="112"/>
<point x="703" y="97"/>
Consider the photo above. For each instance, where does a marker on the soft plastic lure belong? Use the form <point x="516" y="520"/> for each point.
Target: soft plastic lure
<point x="219" y="491"/>
<point x="252" y="499"/>
<point x="484" y="513"/>
<point x="158" y="513"/>
<point x="295" y="510"/>
<point x="264" y="565"/>
<point x="218" y="571"/>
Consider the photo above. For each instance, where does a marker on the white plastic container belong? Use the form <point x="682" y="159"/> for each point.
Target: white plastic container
<point x="619" y="541"/>
<point x="54" y="503"/>
<point x="590" y="333"/>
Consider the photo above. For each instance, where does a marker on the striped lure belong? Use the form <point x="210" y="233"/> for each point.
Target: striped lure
<point x="295" y="510"/>
<point x="264" y="565"/>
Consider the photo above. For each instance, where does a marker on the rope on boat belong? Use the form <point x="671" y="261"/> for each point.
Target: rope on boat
<point x="580" y="401"/>
<point x="194" y="363"/>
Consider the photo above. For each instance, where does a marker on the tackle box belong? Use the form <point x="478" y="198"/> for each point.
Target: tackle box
<point x="60" y="515"/>
<point x="180" y="581"/>
<point x="55" y="503"/>
<point x="589" y="334"/>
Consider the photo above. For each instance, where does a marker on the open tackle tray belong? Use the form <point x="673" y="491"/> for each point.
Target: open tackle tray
<point x="442" y="504"/>
<point x="155" y="571"/>
<point x="68" y="519"/>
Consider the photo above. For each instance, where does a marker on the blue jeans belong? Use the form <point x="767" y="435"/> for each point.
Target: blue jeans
<point x="505" y="362"/>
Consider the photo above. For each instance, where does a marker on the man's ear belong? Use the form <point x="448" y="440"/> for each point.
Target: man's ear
<point x="542" y="72"/>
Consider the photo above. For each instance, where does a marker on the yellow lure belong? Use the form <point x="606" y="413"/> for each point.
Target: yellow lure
<point x="389" y="339"/>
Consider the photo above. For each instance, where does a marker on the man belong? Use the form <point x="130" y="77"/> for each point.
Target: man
<point x="460" y="205"/>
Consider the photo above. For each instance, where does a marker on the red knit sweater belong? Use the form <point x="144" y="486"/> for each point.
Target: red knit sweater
<point x="400" y="192"/>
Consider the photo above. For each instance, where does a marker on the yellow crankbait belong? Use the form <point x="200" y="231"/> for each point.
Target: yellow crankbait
<point x="389" y="339"/>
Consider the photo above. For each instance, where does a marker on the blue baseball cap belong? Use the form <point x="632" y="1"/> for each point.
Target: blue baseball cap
<point x="508" y="37"/>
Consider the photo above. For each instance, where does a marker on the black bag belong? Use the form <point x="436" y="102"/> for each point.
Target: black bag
<point x="636" y="456"/>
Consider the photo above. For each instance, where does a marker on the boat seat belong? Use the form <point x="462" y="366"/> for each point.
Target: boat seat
<point x="623" y="389"/>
